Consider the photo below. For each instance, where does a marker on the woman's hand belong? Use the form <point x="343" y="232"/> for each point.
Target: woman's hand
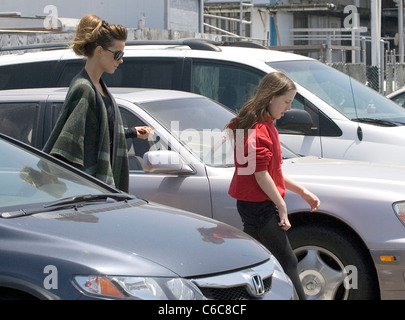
<point x="144" y="132"/>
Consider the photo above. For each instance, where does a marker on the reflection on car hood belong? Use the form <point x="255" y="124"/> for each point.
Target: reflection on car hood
<point x="184" y="243"/>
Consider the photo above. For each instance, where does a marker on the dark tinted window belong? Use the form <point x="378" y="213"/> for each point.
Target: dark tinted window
<point x="322" y="125"/>
<point x="159" y="74"/>
<point x="27" y="75"/>
<point x="70" y="70"/>
<point x="55" y="110"/>
<point x="303" y="104"/>
<point x="400" y="99"/>
<point x="18" y="120"/>
<point x="232" y="85"/>
<point x="136" y="147"/>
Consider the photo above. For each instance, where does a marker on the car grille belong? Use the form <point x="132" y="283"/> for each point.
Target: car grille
<point x="233" y="293"/>
<point x="246" y="284"/>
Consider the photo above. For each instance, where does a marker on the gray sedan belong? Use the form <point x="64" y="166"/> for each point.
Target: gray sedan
<point x="353" y="247"/>
<point x="66" y="235"/>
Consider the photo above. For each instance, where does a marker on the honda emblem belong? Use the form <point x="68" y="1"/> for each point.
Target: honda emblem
<point x="257" y="285"/>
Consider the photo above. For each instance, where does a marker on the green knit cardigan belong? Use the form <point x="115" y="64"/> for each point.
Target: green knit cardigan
<point x="81" y="136"/>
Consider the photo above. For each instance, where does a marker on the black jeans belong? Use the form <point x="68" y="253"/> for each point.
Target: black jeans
<point x="260" y="221"/>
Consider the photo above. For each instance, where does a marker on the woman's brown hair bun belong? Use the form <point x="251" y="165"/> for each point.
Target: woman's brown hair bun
<point x="92" y="32"/>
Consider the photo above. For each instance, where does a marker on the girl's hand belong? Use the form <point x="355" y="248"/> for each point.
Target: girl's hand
<point x="284" y="222"/>
<point x="305" y="194"/>
<point x="312" y="200"/>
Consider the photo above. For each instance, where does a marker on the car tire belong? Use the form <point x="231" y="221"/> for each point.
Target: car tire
<point x="332" y="264"/>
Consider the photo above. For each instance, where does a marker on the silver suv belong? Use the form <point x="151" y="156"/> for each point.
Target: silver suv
<point x="333" y="115"/>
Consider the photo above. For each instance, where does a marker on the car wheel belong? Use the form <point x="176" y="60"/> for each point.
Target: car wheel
<point x="331" y="264"/>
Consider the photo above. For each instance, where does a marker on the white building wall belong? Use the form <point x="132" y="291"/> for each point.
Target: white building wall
<point x="182" y="15"/>
<point x="261" y="26"/>
<point x="285" y="22"/>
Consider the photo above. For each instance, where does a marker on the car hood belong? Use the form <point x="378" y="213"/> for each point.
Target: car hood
<point x="345" y="173"/>
<point x="349" y="174"/>
<point x="134" y="238"/>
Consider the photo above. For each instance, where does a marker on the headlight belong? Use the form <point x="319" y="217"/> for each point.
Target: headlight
<point x="399" y="209"/>
<point x="117" y="287"/>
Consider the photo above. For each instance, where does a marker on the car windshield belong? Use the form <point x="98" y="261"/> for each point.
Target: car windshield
<point x="350" y="97"/>
<point x="198" y="123"/>
<point x="28" y="181"/>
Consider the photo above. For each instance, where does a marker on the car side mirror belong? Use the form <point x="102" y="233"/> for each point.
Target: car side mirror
<point x="164" y="161"/>
<point x="295" y="120"/>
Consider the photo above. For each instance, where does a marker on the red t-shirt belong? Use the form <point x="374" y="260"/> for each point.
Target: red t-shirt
<point x="261" y="151"/>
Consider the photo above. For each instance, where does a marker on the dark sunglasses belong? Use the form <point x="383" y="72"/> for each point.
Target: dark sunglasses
<point x="117" y="54"/>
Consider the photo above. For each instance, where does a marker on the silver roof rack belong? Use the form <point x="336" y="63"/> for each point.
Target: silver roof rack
<point x="244" y="44"/>
<point x="193" y="43"/>
<point x="198" y="44"/>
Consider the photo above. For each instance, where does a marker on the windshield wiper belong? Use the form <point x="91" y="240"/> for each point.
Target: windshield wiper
<point x="88" y="198"/>
<point x="28" y="212"/>
<point x="67" y="202"/>
<point x="387" y="123"/>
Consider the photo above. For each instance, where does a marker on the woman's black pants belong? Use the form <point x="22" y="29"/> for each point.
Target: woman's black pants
<point x="260" y="221"/>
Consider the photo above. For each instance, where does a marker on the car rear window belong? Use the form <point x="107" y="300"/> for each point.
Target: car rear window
<point x="27" y="75"/>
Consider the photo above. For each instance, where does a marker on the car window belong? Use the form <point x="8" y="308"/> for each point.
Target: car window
<point x="301" y="103"/>
<point x="55" y="110"/>
<point x="69" y="70"/>
<point x="136" y="147"/>
<point x="143" y="73"/>
<point x="198" y="124"/>
<point x="133" y="73"/>
<point x="348" y="96"/>
<point x="231" y="85"/>
<point x="400" y="99"/>
<point x="321" y="124"/>
<point x="27" y="75"/>
<point x="13" y="124"/>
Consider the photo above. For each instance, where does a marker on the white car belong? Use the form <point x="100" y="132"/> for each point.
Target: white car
<point x="353" y="247"/>
<point x="398" y="96"/>
<point x="337" y="117"/>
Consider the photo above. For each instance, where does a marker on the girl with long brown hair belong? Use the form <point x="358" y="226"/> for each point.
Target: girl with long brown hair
<point x="259" y="184"/>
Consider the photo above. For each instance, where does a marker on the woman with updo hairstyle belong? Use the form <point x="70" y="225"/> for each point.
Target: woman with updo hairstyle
<point x="92" y="32"/>
<point x="89" y="133"/>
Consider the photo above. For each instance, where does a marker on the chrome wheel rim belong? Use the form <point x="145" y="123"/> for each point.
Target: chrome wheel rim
<point x="321" y="273"/>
